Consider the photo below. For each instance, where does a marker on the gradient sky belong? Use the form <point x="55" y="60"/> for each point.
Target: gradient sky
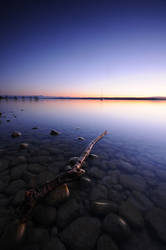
<point x="83" y="48"/>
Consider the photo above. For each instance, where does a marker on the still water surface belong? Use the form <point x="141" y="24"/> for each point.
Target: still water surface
<point x="136" y="135"/>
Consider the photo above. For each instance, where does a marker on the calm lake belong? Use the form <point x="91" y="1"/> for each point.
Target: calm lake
<point x="126" y="175"/>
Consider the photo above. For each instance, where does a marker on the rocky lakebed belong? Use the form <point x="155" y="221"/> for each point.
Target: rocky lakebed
<point x="119" y="204"/>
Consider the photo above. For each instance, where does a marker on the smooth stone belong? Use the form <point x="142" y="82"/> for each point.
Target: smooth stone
<point x="158" y="196"/>
<point x="85" y="231"/>
<point x="16" y="134"/>
<point x="67" y="168"/>
<point x="4" y="202"/>
<point x="73" y="160"/>
<point x="156" y="218"/>
<point x="2" y="186"/>
<point x="8" y="120"/>
<point x="93" y="156"/>
<point x="161" y="174"/>
<point x="112" y="178"/>
<point x="81" y="138"/>
<point x="18" y="160"/>
<point x="54" y="231"/>
<point x="98" y="192"/>
<point x="44" y="215"/>
<point x="67" y="212"/>
<point x="140" y="201"/>
<point x="55" y="244"/>
<point x="85" y="182"/>
<point x="40" y="159"/>
<point x="18" y="171"/>
<point x="116" y="227"/>
<point x="96" y="172"/>
<point x="0" y="113"/>
<point x="24" y="145"/>
<point x="106" y="243"/>
<point x="44" y="177"/>
<point x="19" y="198"/>
<point x="3" y="165"/>
<point x="115" y="196"/>
<point x="133" y="182"/>
<point x="36" y="168"/>
<point x="103" y="207"/>
<point x="37" y="236"/>
<point x="15" y="186"/>
<point x="54" y="132"/>
<point x="131" y="214"/>
<point x="35" y="128"/>
<point x="57" y="196"/>
<point x="126" y="167"/>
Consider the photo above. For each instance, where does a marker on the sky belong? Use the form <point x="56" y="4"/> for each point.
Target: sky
<point x="83" y="48"/>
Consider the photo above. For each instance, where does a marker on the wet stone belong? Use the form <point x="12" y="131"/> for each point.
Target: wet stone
<point x="15" y="186"/>
<point x="131" y="214"/>
<point x="116" y="227"/>
<point x="93" y="156"/>
<point x="18" y="171"/>
<point x="158" y="196"/>
<point x="126" y="167"/>
<point x="16" y="134"/>
<point x="19" y="198"/>
<point x="67" y="212"/>
<point x="115" y="196"/>
<point x="36" y="168"/>
<point x="55" y="244"/>
<point x="112" y="178"/>
<point x="54" y="231"/>
<point x="161" y="174"/>
<point x="140" y="201"/>
<point x="98" y="193"/>
<point x="103" y="207"/>
<point x="37" y="236"/>
<point x="2" y="186"/>
<point x="44" y="215"/>
<point x="85" y="231"/>
<point x="54" y="132"/>
<point x="133" y="182"/>
<point x="106" y="243"/>
<point x="24" y="145"/>
<point x="3" y="165"/>
<point x="156" y="218"/>
<point x="18" y="160"/>
<point x="81" y="138"/>
<point x="96" y="172"/>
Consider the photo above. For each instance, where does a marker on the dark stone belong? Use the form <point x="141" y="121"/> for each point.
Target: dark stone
<point x="85" y="231"/>
<point x="36" y="168"/>
<point x="93" y="156"/>
<point x="161" y="174"/>
<point x="103" y="207"/>
<point x="18" y="171"/>
<point x="3" y="165"/>
<point x="67" y="212"/>
<point x="156" y="218"/>
<point x="15" y="186"/>
<point x="133" y="182"/>
<point x="115" y="196"/>
<point x="131" y="214"/>
<point x="112" y="178"/>
<point x="116" y="227"/>
<point x="19" y="198"/>
<point x="16" y="134"/>
<point x="99" y="192"/>
<point x="44" y="215"/>
<point x="106" y="243"/>
<point x="24" y="145"/>
<point x="96" y="172"/>
<point x="54" y="132"/>
<point x="55" y="244"/>
<point x="158" y="196"/>
<point x="37" y="235"/>
<point x="140" y="201"/>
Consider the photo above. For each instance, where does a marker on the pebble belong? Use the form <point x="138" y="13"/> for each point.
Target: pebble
<point x="133" y="182"/>
<point x="16" y="134"/>
<point x="85" y="231"/>
<point x="81" y="138"/>
<point x="55" y="244"/>
<point x="18" y="171"/>
<point x="54" y="132"/>
<point x="96" y="172"/>
<point x="93" y="156"/>
<point x="24" y="145"/>
<point x="15" y="186"/>
<point x="35" y="128"/>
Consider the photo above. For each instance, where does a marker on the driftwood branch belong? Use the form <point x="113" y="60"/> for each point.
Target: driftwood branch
<point x="32" y="196"/>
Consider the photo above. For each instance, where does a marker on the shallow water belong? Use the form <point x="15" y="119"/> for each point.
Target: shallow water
<point x="130" y="168"/>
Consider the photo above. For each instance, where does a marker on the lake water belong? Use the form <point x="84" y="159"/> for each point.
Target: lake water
<point x="130" y="171"/>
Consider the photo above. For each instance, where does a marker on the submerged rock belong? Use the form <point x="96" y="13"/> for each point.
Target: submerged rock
<point x="24" y="145"/>
<point x="116" y="226"/>
<point x="106" y="243"/>
<point x="67" y="212"/>
<point x="44" y="215"/>
<point x="156" y="218"/>
<point x="54" y="132"/>
<point x="96" y="172"/>
<point x="93" y="156"/>
<point x="54" y="244"/>
<point x="133" y="182"/>
<point x="131" y="214"/>
<point x="15" y="186"/>
<point x="81" y="138"/>
<point x="103" y="207"/>
<point x="16" y="134"/>
<point x="85" y="231"/>
<point x="57" y="196"/>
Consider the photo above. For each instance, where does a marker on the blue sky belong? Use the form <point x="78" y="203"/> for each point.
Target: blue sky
<point x="80" y="48"/>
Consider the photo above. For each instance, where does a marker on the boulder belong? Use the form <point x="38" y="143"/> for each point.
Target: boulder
<point x="82" y="234"/>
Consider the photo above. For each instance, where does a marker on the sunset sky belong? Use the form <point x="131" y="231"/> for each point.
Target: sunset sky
<point x="83" y="48"/>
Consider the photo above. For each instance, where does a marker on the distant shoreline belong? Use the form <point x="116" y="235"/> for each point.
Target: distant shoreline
<point x="83" y="98"/>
